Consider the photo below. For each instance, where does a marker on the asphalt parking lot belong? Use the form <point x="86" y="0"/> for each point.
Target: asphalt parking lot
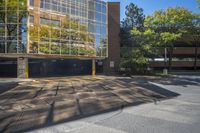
<point x="180" y="114"/>
<point x="27" y="105"/>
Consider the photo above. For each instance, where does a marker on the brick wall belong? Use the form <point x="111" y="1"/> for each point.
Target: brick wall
<point x="111" y="64"/>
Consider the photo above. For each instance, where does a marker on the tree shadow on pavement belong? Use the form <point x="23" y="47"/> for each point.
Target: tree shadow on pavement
<point x="31" y="106"/>
<point x="7" y="86"/>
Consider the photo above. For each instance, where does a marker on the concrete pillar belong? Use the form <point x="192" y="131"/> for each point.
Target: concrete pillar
<point x="93" y="67"/>
<point x="22" y="67"/>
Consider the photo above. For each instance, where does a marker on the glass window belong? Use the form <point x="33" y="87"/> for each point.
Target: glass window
<point x="73" y="12"/>
<point x="104" y="30"/>
<point x="12" y="17"/>
<point x="55" y="48"/>
<point x="91" y="15"/>
<point x="55" y="5"/>
<point x="55" y="22"/>
<point x="15" y="37"/>
<point x="104" y="9"/>
<point x="91" y="5"/>
<point x="12" y="46"/>
<point x="42" y="4"/>
<point x="33" y="47"/>
<point x="44" y="21"/>
<point x="2" y="46"/>
<point x="45" y="4"/>
<point x="22" y="4"/>
<point x="44" y="47"/>
<point x="98" y="29"/>
<point x="2" y="19"/>
<point x="31" y="2"/>
<point x="24" y="18"/>
<point x="98" y="7"/>
<point x="103" y="18"/>
<point x="31" y="19"/>
<point x="2" y="30"/>
<point x="64" y="9"/>
<point x="65" y="47"/>
<point x="98" y="41"/>
<point x="48" y="21"/>
<point x="98" y="16"/>
<point x="12" y="30"/>
<point x="2" y="6"/>
<point x="21" y="47"/>
<point x="81" y="30"/>
<point x="104" y="51"/>
<point x="91" y="27"/>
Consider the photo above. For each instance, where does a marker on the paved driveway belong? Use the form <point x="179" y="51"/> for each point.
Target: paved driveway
<point x="40" y="103"/>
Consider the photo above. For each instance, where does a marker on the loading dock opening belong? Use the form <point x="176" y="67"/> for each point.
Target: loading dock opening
<point x="8" y="67"/>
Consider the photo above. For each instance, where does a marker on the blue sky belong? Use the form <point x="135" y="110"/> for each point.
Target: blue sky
<point x="150" y="6"/>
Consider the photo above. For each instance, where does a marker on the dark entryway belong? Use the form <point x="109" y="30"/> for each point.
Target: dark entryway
<point x="59" y="67"/>
<point x="8" y="67"/>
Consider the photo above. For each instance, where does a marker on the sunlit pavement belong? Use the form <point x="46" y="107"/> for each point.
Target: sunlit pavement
<point x="102" y="104"/>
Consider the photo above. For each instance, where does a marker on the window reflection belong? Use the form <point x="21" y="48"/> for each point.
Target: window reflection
<point x="13" y="27"/>
<point x="70" y="27"/>
<point x="98" y="17"/>
<point x="98" y="7"/>
<point x="31" y="19"/>
<point x="31" y="2"/>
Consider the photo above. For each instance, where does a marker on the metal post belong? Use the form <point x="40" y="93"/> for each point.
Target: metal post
<point x="165" y="58"/>
<point x="165" y="69"/>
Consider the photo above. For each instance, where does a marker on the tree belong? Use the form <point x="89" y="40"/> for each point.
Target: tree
<point x="132" y="58"/>
<point x="136" y="58"/>
<point x="134" y="19"/>
<point x="192" y="37"/>
<point x="171" y="25"/>
<point x="162" y="29"/>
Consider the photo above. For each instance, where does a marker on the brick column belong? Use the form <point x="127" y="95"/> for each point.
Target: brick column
<point x="111" y="64"/>
<point x="22" y="67"/>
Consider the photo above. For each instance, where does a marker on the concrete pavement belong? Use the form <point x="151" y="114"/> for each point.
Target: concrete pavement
<point x="177" y="115"/>
<point x="44" y="102"/>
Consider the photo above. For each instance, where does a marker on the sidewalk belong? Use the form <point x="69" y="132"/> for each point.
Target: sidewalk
<point x="16" y="80"/>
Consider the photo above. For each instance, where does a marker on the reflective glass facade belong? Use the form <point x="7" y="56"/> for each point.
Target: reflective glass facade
<point x="13" y="26"/>
<point x="61" y="27"/>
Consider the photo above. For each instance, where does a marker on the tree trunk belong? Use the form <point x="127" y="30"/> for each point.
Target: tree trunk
<point x="165" y="58"/>
<point x="170" y="57"/>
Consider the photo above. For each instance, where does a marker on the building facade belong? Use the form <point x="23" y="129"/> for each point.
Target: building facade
<point x="182" y="57"/>
<point x="75" y="29"/>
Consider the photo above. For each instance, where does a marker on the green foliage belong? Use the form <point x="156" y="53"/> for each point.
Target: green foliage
<point x="161" y="29"/>
<point x="134" y="19"/>
<point x="167" y="38"/>
<point x="134" y="60"/>
<point x="171" y="25"/>
<point x="173" y="20"/>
